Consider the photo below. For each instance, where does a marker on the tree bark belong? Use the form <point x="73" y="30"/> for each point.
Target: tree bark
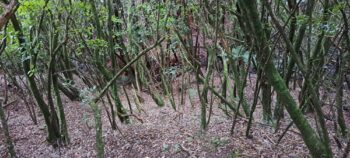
<point x="314" y="144"/>
<point x="9" y="143"/>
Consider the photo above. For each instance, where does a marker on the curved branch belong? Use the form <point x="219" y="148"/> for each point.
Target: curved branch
<point x="10" y="9"/>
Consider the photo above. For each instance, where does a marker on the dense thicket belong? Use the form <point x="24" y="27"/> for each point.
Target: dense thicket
<point x="90" y="50"/>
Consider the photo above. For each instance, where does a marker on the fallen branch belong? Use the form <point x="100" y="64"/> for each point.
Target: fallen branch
<point x="187" y="151"/>
<point x="137" y="117"/>
<point x="10" y="103"/>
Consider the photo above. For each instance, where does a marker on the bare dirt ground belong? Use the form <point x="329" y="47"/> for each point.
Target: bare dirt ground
<point x="162" y="133"/>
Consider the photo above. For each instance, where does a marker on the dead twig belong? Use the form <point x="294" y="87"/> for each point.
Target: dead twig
<point x="137" y="117"/>
<point x="10" y="103"/>
<point x="187" y="151"/>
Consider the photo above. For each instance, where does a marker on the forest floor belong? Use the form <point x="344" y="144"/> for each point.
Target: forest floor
<point x="161" y="132"/>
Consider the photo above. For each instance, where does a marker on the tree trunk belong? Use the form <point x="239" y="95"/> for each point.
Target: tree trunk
<point x="314" y="144"/>
<point x="9" y="143"/>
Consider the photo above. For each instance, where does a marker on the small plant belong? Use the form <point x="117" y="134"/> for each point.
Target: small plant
<point x="86" y="95"/>
<point x="177" y="147"/>
<point x="217" y="142"/>
<point x="87" y="99"/>
<point x="234" y="154"/>
<point x="165" y="147"/>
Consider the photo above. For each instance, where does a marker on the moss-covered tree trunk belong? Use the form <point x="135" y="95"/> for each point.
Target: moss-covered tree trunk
<point x="316" y="147"/>
<point x="266" y="99"/>
<point x="342" y="62"/>
<point x="121" y="113"/>
<point x="9" y="143"/>
<point x="28" y="64"/>
<point x="98" y="128"/>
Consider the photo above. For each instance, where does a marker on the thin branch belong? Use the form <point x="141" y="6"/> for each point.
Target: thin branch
<point x="115" y="77"/>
